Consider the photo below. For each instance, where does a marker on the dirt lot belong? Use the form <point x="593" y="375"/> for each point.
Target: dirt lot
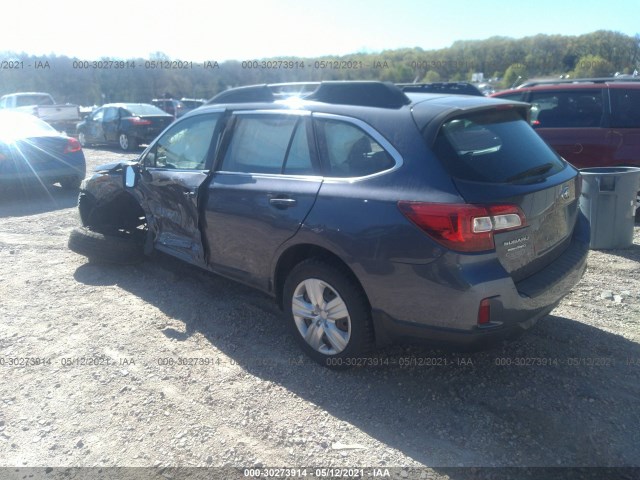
<point x="161" y="364"/>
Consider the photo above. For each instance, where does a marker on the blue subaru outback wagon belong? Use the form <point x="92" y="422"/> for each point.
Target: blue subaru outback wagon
<point x="370" y="214"/>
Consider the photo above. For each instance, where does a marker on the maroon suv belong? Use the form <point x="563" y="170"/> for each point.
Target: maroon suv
<point x="591" y="123"/>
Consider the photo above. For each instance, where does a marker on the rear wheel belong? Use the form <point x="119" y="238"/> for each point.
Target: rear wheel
<point x="328" y="314"/>
<point x="127" y="142"/>
<point x="98" y="247"/>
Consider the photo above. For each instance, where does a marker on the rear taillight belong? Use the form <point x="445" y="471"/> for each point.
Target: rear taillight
<point x="139" y="121"/>
<point x="463" y="227"/>
<point x="484" y="312"/>
<point x="72" y="145"/>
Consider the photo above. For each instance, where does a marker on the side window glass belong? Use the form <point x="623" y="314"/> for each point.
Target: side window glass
<point x="349" y="151"/>
<point x="185" y="146"/>
<point x="259" y="143"/>
<point x="98" y="114"/>
<point x="541" y="102"/>
<point x="110" y="114"/>
<point x="576" y="109"/>
<point x="625" y="108"/>
<point x="298" y="161"/>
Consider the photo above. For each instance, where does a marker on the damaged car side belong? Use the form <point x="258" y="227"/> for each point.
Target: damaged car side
<point x="371" y="215"/>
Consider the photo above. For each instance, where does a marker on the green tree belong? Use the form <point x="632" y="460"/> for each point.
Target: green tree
<point x="592" y="66"/>
<point x="514" y="75"/>
<point x="431" y="77"/>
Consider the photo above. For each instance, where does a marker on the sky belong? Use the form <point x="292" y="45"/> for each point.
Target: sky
<point x="251" y="29"/>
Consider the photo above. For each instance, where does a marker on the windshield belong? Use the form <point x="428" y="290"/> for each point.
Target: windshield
<point x="494" y="147"/>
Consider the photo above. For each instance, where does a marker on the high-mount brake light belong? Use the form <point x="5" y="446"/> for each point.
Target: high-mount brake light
<point x="463" y="227"/>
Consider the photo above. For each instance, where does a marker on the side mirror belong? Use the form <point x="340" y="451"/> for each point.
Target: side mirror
<point x="131" y="176"/>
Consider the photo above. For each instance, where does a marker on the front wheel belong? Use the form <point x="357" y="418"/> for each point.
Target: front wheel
<point x="101" y="248"/>
<point x="328" y="313"/>
<point x="127" y="142"/>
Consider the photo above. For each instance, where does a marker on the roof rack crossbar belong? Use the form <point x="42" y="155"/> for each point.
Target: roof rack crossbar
<point x="440" y="87"/>
<point x="358" y="93"/>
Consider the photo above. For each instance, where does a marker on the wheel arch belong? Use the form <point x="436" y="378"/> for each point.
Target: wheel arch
<point x="295" y="254"/>
<point x="120" y="209"/>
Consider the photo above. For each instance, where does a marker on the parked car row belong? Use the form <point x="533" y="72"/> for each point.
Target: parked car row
<point x="371" y="214"/>
<point x="590" y="122"/>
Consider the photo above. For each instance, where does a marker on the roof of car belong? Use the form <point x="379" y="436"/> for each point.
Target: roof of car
<point x="568" y="86"/>
<point x="127" y="105"/>
<point x="369" y="101"/>
<point x="575" y="81"/>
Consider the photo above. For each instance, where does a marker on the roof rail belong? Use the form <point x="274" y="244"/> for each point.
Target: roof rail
<point x="358" y="93"/>
<point x="459" y="88"/>
<point x="620" y="78"/>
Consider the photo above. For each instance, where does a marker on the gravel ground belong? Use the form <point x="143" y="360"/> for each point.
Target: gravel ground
<point x="161" y="364"/>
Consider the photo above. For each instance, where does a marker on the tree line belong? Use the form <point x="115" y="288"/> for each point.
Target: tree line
<point x="505" y="60"/>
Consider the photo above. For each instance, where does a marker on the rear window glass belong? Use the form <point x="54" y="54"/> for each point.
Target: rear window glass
<point x="143" y="109"/>
<point x="494" y="147"/>
<point x="27" y="100"/>
<point x="625" y="108"/>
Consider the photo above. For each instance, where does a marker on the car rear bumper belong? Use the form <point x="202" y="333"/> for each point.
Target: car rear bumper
<point x="446" y="312"/>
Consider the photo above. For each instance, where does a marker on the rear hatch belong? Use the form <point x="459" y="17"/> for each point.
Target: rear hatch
<point x="156" y="125"/>
<point x="148" y="120"/>
<point x="497" y="160"/>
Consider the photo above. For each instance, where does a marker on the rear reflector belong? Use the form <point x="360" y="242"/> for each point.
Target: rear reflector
<point x="463" y="227"/>
<point x="73" y="145"/>
<point x="484" y="312"/>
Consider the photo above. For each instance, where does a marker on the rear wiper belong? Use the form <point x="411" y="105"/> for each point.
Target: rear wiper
<point x="532" y="172"/>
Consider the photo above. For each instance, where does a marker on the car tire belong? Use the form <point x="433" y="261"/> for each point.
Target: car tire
<point x="335" y="336"/>
<point x="101" y="248"/>
<point x="70" y="183"/>
<point x="127" y="142"/>
<point x="82" y="139"/>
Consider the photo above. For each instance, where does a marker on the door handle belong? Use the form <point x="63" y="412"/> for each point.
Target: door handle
<point x="283" y="202"/>
<point x="189" y="193"/>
